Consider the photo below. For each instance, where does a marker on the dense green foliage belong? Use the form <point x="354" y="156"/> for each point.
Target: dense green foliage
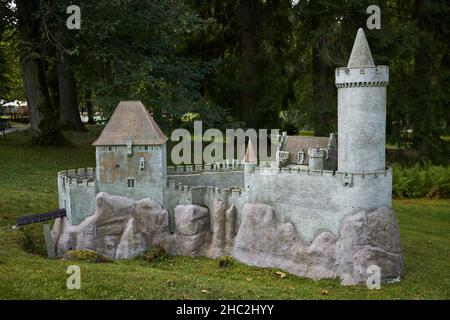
<point x="295" y="49"/>
<point x="250" y="63"/>
<point x="421" y="181"/>
<point x="29" y="186"/>
<point x="135" y="51"/>
<point x="10" y="77"/>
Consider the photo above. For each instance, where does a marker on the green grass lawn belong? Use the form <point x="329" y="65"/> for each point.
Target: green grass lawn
<point x="28" y="185"/>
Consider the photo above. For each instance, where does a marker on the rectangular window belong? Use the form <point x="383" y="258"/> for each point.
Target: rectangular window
<point x="110" y="148"/>
<point x="130" y="182"/>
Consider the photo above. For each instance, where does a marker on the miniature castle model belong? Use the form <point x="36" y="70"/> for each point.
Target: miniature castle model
<point x="308" y="192"/>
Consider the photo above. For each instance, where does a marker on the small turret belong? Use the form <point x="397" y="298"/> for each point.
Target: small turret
<point x="250" y="158"/>
<point x="317" y="157"/>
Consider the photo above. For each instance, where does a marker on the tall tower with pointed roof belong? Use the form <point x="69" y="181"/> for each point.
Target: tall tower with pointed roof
<point x="361" y="111"/>
<point x="131" y="153"/>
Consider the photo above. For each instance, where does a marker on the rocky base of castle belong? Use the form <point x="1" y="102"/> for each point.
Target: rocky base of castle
<point x="121" y="228"/>
<point x="365" y="239"/>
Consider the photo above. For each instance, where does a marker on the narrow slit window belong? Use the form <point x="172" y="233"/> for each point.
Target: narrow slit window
<point x="301" y="157"/>
<point x="130" y="182"/>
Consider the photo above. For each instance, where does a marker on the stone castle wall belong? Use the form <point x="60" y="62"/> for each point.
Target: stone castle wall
<point x="313" y="200"/>
<point x="220" y="175"/>
<point x="178" y="194"/>
<point x="76" y="192"/>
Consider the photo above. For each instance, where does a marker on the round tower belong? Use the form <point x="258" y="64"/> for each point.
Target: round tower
<point x="361" y="111"/>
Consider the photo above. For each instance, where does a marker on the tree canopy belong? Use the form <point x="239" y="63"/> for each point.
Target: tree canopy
<point x="249" y="63"/>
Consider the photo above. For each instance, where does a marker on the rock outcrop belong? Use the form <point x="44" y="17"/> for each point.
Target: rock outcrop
<point x="369" y="238"/>
<point x="192" y="235"/>
<point x="365" y="239"/>
<point x="224" y="229"/>
<point x="122" y="228"/>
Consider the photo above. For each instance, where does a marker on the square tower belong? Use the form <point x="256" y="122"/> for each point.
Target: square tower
<point x="131" y="154"/>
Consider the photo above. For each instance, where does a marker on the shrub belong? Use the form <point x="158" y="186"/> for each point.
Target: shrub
<point x="153" y="254"/>
<point x="421" y="180"/>
<point x="226" y="262"/>
<point x="31" y="239"/>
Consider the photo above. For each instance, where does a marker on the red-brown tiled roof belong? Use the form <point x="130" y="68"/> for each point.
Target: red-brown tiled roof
<point x="131" y="120"/>
<point x="295" y="144"/>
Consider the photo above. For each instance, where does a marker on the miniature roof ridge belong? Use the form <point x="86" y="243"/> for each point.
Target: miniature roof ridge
<point x="361" y="55"/>
<point x="250" y="155"/>
<point x="131" y="120"/>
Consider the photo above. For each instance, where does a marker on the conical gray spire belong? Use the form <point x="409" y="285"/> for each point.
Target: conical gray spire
<point x="361" y="55"/>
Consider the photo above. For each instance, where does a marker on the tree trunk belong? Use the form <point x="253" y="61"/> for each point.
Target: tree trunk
<point x="421" y="71"/>
<point x="29" y="68"/>
<point x="27" y="26"/>
<point x="69" y="115"/>
<point x="322" y="86"/>
<point x="249" y="50"/>
<point x="42" y="112"/>
<point x="89" y="107"/>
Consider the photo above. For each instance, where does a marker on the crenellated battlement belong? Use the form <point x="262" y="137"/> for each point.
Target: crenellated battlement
<point x="179" y="187"/>
<point x="223" y="166"/>
<point x="362" y="77"/>
<point x="83" y="177"/>
<point x="307" y="171"/>
<point x="346" y="178"/>
<point x="76" y="192"/>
